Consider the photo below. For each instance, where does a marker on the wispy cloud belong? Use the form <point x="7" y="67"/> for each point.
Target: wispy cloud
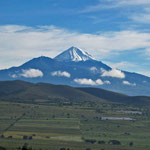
<point x="50" y="41"/>
<point x="141" y="17"/>
<point x="121" y="65"/>
<point x="132" y="2"/>
<point x="135" y="10"/>
<point x="128" y="83"/>
<point x="109" y="4"/>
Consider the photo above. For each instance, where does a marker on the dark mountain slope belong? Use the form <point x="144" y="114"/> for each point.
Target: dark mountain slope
<point x="23" y="91"/>
<point x="13" y="87"/>
<point x="117" y="97"/>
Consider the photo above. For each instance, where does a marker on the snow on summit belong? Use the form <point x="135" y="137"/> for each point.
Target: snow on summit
<point x="74" y="54"/>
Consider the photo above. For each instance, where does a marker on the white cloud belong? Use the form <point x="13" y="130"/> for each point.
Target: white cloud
<point x="107" y="82"/>
<point x="50" y="41"/>
<point x="85" y="81"/>
<point x="99" y="82"/>
<point x="31" y="73"/>
<point x="128" y="83"/>
<point x="61" y="74"/>
<point x="113" y="73"/>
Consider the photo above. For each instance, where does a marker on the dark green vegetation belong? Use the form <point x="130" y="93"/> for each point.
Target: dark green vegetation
<point x="54" y="122"/>
<point x="73" y="127"/>
<point x="116" y="97"/>
<point x="20" y="91"/>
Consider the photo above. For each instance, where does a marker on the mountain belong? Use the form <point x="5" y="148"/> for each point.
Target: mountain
<point x="74" y="54"/>
<point x="77" y="68"/>
<point x="25" y="92"/>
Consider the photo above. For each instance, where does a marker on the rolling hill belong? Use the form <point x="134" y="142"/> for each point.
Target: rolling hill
<point x="22" y="91"/>
<point x="26" y="92"/>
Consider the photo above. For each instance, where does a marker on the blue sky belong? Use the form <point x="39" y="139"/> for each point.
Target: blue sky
<point x="114" y="31"/>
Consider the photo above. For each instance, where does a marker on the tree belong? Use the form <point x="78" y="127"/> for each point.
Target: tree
<point x="2" y="148"/>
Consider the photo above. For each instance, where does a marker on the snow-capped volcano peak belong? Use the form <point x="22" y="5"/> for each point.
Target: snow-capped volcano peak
<point x="74" y="54"/>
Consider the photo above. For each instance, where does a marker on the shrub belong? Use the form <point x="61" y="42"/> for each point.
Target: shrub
<point x="101" y="142"/>
<point x="114" y="142"/>
<point x="25" y="137"/>
<point x="30" y="137"/>
<point x="90" y="141"/>
<point x="10" y="137"/>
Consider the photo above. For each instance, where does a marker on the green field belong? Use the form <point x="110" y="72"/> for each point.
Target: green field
<point x="73" y="127"/>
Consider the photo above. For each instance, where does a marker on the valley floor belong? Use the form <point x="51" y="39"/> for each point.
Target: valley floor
<point x="74" y="127"/>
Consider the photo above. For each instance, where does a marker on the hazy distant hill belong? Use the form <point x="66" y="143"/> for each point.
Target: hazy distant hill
<point x="117" y="97"/>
